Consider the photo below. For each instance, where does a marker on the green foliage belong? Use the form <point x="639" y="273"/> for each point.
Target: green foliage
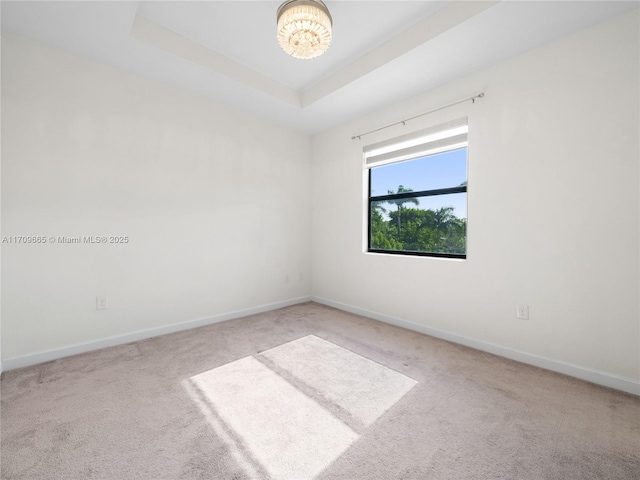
<point x="382" y="235"/>
<point x="414" y="229"/>
<point x="399" y="203"/>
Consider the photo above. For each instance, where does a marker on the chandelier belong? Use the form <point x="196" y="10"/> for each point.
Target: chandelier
<point x="304" y="28"/>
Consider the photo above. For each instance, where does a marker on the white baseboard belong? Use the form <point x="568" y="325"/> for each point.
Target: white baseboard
<point x="601" y="378"/>
<point x="47" y="356"/>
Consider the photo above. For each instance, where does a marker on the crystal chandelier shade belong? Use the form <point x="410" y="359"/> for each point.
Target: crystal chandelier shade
<point x="304" y="28"/>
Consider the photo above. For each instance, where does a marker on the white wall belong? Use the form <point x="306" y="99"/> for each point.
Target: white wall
<point x="215" y="203"/>
<point x="553" y="209"/>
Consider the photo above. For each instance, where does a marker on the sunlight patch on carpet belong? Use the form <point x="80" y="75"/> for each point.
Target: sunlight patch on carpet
<point x="276" y="430"/>
<point x="288" y="433"/>
<point x="358" y="385"/>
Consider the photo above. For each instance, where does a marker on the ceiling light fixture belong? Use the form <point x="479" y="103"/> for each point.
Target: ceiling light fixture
<point x="304" y="28"/>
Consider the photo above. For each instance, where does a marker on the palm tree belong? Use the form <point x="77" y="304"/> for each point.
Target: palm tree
<point x="399" y="203"/>
<point x="444" y="220"/>
<point x="444" y="217"/>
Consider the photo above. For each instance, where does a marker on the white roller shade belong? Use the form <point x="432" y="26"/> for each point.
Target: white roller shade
<point x="441" y="138"/>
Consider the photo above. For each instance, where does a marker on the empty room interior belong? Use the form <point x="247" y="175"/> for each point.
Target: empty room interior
<point x="296" y="240"/>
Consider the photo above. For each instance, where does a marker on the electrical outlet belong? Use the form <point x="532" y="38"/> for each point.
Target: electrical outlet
<point x="300" y="276"/>
<point x="523" y="312"/>
<point x="101" y="303"/>
<point x="286" y="279"/>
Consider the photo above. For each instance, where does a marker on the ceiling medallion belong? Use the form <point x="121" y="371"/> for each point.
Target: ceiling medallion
<point x="304" y="28"/>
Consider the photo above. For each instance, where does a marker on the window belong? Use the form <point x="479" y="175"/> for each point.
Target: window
<point x="418" y="193"/>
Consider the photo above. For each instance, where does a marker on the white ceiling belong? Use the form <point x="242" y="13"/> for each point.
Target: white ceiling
<point x="382" y="51"/>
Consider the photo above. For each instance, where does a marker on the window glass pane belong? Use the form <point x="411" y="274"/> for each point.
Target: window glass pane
<point x="434" y="224"/>
<point x="443" y="170"/>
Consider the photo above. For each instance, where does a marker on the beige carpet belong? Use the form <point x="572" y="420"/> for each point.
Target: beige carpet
<point x="309" y="392"/>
